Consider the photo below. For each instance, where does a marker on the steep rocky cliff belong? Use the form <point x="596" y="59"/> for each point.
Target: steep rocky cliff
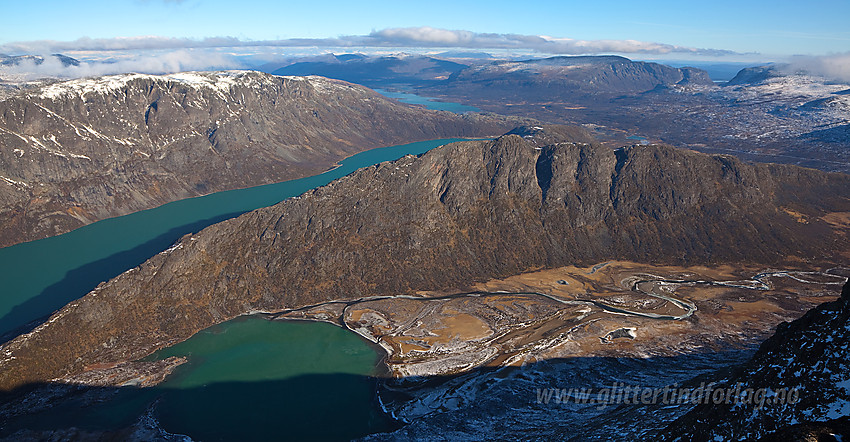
<point x="461" y="213"/>
<point x="75" y="152"/>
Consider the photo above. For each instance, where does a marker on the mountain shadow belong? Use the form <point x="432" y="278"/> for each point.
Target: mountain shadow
<point x="83" y="279"/>
<point x="337" y="407"/>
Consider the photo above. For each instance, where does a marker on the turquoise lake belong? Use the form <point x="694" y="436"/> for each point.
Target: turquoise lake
<point x="41" y="276"/>
<point x="430" y="103"/>
<point x="254" y="379"/>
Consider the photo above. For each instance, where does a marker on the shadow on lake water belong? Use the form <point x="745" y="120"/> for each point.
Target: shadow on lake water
<point x="331" y="407"/>
<point x="343" y="406"/>
<point x="83" y="279"/>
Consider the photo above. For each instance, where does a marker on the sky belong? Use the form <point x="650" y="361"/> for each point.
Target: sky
<point x="741" y="30"/>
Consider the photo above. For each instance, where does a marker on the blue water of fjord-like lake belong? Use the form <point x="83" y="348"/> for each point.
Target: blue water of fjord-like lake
<point x="39" y="277"/>
<point x="428" y="102"/>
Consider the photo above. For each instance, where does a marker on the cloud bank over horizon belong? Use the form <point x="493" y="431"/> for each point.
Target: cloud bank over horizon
<point x="169" y="62"/>
<point x="834" y="66"/>
<point x="162" y="55"/>
<point x="417" y="37"/>
<point x="158" y="55"/>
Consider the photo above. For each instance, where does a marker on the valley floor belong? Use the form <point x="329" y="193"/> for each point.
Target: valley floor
<point x="612" y="309"/>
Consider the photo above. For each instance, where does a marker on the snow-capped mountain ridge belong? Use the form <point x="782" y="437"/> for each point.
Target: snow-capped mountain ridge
<point x="220" y="81"/>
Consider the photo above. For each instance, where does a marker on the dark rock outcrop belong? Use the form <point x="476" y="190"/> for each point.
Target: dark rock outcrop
<point x="810" y="356"/>
<point x="462" y="213"/>
<point x="79" y="151"/>
<point x="754" y="75"/>
<point x="695" y="76"/>
<point x="829" y="431"/>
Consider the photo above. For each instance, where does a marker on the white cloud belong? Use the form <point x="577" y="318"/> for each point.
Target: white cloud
<point x="835" y="66"/>
<point x="154" y="54"/>
<point x="116" y="44"/>
<point x="163" y="63"/>
<point x="432" y="37"/>
<point x="420" y="37"/>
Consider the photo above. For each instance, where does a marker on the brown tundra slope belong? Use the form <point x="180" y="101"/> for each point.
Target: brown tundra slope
<point x="459" y="214"/>
<point x="79" y="151"/>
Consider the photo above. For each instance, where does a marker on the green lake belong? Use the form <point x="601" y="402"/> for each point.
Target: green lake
<point x="254" y="379"/>
<point x="248" y="379"/>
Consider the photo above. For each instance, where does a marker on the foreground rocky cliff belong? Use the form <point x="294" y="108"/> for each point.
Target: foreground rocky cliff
<point x="79" y="151"/>
<point x="811" y="357"/>
<point x="460" y="214"/>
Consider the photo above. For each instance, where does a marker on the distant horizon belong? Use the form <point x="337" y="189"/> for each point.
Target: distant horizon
<point x="392" y="41"/>
<point x="169" y="55"/>
<point x="769" y="28"/>
<point x="125" y="62"/>
<point x="174" y="35"/>
<point x="95" y="64"/>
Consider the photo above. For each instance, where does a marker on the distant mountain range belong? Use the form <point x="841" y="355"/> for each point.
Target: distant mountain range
<point x="559" y="78"/>
<point x="763" y="114"/>
<point x="374" y="71"/>
<point x="15" y="60"/>
<point x="603" y="74"/>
